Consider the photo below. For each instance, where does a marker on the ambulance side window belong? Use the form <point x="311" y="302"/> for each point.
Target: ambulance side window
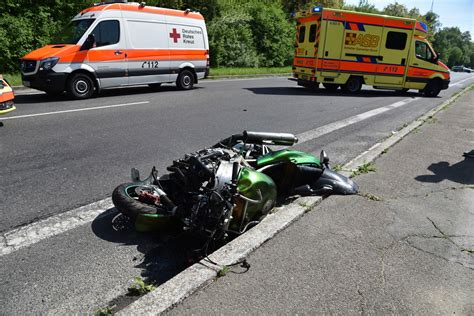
<point x="107" y="33"/>
<point x="396" y="40"/>
<point x="302" y="34"/>
<point x="312" y="33"/>
<point x="423" y="51"/>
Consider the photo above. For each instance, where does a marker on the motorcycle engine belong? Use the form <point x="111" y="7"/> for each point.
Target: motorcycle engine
<point x="209" y="191"/>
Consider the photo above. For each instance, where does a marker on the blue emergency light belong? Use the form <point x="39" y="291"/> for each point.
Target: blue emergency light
<point x="316" y="9"/>
<point x="424" y="26"/>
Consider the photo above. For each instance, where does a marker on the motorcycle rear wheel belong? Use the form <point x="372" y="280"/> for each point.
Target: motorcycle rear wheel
<point x="126" y="201"/>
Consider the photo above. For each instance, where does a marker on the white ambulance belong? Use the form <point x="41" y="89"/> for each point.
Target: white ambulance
<point x="114" y="44"/>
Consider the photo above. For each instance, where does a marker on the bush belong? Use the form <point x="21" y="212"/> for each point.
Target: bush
<point x="230" y="40"/>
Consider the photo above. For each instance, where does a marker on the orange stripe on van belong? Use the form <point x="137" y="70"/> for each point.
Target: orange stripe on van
<point x="175" y="54"/>
<point x="135" y="54"/>
<point x="7" y="96"/>
<point x="355" y="66"/>
<point x="147" y="9"/>
<point x="304" y="62"/>
<point x="424" y="73"/>
<point x="308" y="19"/>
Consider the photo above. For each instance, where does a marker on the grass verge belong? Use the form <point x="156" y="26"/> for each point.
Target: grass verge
<point x="230" y="71"/>
<point x="13" y="79"/>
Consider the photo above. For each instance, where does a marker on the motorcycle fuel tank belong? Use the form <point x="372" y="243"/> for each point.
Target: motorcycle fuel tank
<point x="257" y="197"/>
<point x="285" y="155"/>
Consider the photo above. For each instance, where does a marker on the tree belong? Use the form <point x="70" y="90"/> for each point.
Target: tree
<point x="455" y="56"/>
<point x="396" y="9"/>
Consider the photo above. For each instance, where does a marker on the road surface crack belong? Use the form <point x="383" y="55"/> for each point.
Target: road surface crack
<point x="442" y="235"/>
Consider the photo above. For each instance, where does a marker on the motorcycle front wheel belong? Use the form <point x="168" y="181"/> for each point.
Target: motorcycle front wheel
<point x="126" y="199"/>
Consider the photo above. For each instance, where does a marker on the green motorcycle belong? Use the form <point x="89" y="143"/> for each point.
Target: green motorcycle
<point x="228" y="188"/>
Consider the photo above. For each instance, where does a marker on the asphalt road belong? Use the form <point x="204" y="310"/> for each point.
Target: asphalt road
<point x="58" y="154"/>
<point x="56" y="162"/>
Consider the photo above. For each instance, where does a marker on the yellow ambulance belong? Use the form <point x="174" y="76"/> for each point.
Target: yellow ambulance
<point x="347" y="49"/>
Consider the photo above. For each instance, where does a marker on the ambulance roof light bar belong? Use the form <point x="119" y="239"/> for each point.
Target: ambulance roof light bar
<point x="316" y="9"/>
<point x="424" y="26"/>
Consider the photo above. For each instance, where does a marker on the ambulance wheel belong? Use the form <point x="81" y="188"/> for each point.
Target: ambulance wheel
<point x="330" y="86"/>
<point x="80" y="86"/>
<point x="353" y="85"/>
<point x="185" y="80"/>
<point x="432" y="89"/>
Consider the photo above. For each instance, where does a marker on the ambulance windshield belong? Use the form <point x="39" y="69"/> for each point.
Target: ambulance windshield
<point x="73" y="32"/>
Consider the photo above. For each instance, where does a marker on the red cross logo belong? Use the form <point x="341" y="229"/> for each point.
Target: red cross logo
<point x="175" y="35"/>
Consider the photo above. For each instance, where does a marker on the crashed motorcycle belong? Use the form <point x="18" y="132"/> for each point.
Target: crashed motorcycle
<point x="228" y="188"/>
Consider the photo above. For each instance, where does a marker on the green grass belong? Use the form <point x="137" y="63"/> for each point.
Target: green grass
<point x="337" y="167"/>
<point x="140" y="287"/>
<point x="222" y="272"/>
<point x="228" y="71"/>
<point x="365" y="168"/>
<point x="105" y="311"/>
<point x="13" y="79"/>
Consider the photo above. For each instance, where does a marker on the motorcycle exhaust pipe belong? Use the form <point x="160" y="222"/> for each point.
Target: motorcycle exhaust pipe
<point x="282" y="139"/>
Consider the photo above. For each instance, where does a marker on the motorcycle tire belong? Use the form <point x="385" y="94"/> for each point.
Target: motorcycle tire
<point x="124" y="201"/>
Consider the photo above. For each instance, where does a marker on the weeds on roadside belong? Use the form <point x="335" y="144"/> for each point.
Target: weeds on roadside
<point x="222" y="272"/>
<point x="370" y="196"/>
<point x="365" y="168"/>
<point x="109" y="310"/>
<point x="337" y="167"/>
<point x="140" y="287"/>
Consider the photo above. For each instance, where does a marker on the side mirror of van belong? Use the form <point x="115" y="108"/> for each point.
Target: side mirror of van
<point x="89" y="43"/>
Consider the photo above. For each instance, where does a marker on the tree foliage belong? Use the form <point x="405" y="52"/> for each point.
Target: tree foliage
<point x="241" y="32"/>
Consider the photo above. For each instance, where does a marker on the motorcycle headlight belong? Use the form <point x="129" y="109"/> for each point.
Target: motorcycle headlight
<point x="48" y="63"/>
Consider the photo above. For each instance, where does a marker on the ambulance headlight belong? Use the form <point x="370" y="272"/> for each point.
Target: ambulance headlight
<point x="316" y="9"/>
<point x="48" y="63"/>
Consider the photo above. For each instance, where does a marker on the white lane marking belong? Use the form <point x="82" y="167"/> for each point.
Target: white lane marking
<point x="457" y="83"/>
<point x="52" y="226"/>
<point x="75" y="110"/>
<point x="55" y="225"/>
<point x="326" y="129"/>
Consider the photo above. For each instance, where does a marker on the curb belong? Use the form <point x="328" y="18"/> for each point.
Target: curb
<point x="203" y="273"/>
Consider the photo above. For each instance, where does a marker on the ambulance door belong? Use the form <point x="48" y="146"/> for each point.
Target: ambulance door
<point x="306" y="57"/>
<point x="148" y="51"/>
<point x="108" y="57"/>
<point x="333" y="43"/>
<point x="394" y="50"/>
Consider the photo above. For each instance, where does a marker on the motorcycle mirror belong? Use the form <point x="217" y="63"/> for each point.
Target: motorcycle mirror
<point x="323" y="158"/>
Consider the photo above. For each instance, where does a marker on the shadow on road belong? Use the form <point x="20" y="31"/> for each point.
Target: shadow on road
<point x="143" y="90"/>
<point x="324" y="92"/>
<point x="461" y="172"/>
<point x="163" y="254"/>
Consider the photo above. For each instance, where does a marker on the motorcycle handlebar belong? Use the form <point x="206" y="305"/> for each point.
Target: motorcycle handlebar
<point x="284" y="139"/>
